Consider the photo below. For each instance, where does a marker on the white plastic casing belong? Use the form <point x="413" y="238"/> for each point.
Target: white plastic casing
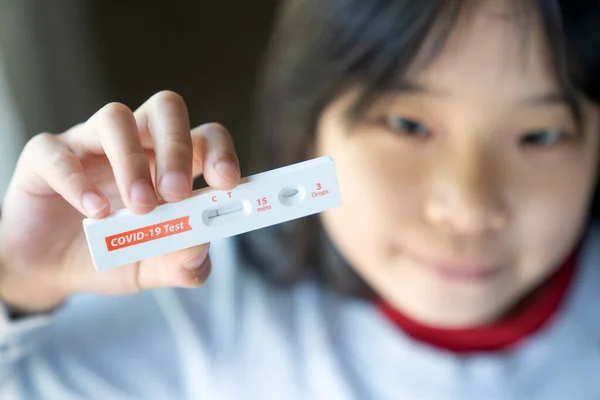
<point x="259" y="201"/>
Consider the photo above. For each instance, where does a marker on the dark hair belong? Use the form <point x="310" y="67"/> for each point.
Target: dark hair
<point x="320" y="45"/>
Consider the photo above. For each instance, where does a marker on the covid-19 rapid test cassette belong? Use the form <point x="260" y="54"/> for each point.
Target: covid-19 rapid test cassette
<point x="260" y="200"/>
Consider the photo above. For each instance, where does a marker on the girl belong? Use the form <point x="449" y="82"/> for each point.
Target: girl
<point x="461" y="265"/>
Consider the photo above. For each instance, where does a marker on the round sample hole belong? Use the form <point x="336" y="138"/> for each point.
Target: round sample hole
<point x="291" y="195"/>
<point x="287" y="193"/>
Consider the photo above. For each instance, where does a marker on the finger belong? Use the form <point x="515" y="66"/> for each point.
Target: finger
<point x="164" y="117"/>
<point x="215" y="156"/>
<point x="49" y="160"/>
<point x="116" y="128"/>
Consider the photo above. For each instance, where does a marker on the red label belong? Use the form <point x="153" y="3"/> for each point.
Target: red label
<point x="148" y="233"/>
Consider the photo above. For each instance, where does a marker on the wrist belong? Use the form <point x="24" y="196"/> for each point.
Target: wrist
<point x="25" y="295"/>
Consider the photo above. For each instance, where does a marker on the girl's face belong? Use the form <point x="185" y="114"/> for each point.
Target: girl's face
<point x="463" y="192"/>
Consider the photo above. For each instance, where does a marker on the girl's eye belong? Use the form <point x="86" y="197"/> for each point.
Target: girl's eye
<point x="407" y="126"/>
<point x="545" y="138"/>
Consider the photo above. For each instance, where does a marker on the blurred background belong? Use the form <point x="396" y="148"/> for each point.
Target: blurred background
<point x="61" y="60"/>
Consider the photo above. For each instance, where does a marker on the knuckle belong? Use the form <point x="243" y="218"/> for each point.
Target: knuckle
<point x="132" y="160"/>
<point x="174" y="144"/>
<point x="72" y="180"/>
<point x="168" y="98"/>
<point x="138" y="162"/>
<point x="213" y="128"/>
<point x="60" y="166"/>
<point x="64" y="170"/>
<point x="217" y="137"/>
<point x="56" y="160"/>
<point x="40" y="141"/>
<point x="115" y="110"/>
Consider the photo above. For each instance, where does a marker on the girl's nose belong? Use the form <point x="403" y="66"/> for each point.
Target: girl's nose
<point x="465" y="198"/>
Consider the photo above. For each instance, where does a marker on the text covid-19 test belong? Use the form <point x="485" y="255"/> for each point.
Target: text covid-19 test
<point x="259" y="201"/>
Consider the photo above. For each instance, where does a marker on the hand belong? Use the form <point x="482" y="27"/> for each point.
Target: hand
<point x="118" y="158"/>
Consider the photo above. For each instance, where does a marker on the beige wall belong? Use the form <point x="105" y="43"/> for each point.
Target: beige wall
<point x="64" y="59"/>
<point x="50" y="76"/>
<point x="12" y="136"/>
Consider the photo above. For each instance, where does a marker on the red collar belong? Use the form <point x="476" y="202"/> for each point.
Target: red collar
<point x="500" y="335"/>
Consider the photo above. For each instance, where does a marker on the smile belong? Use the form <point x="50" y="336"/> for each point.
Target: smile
<point x="462" y="270"/>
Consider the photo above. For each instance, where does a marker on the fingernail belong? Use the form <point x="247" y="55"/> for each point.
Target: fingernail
<point x="227" y="169"/>
<point x="175" y="184"/>
<point x="142" y="193"/>
<point x="201" y="274"/>
<point x="93" y="203"/>
<point x="195" y="262"/>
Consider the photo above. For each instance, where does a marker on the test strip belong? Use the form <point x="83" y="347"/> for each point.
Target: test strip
<point x="260" y="200"/>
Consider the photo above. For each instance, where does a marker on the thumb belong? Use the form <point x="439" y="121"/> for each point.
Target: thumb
<point x="185" y="268"/>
